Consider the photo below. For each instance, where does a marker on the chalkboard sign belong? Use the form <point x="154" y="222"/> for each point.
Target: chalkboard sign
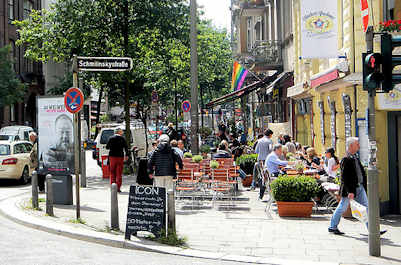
<point x="146" y="210"/>
<point x="333" y="113"/>
<point x="321" y="107"/>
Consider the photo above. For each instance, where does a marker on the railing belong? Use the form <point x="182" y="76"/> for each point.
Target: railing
<point x="250" y="3"/>
<point x="268" y="52"/>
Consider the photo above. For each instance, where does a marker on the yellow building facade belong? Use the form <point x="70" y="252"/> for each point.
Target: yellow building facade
<point x="330" y="104"/>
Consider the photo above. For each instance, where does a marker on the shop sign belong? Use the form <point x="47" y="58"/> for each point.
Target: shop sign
<point x="390" y="101"/>
<point x="321" y="108"/>
<point x="347" y="114"/>
<point x="276" y="92"/>
<point x="333" y="113"/>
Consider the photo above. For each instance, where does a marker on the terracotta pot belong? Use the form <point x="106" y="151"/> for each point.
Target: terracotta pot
<point x="295" y="209"/>
<point x="246" y="182"/>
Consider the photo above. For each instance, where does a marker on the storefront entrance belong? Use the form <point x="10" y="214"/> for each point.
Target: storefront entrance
<point x="394" y="142"/>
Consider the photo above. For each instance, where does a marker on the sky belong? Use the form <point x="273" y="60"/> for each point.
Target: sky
<point x="218" y="11"/>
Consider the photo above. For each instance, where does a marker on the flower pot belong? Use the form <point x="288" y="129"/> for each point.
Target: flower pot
<point x="294" y="209"/>
<point x="246" y="182"/>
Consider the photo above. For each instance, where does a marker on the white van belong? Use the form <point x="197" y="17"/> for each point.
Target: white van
<point x="15" y="133"/>
<point x="137" y="139"/>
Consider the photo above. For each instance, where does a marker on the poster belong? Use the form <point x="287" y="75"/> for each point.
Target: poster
<point x="319" y="29"/>
<point x="347" y="115"/>
<point x="391" y="100"/>
<point x="55" y="136"/>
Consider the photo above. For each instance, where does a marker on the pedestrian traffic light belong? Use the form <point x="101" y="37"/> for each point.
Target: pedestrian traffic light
<point x="390" y="61"/>
<point x="372" y="76"/>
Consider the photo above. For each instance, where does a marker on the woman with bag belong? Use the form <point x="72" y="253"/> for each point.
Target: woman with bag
<point x="353" y="184"/>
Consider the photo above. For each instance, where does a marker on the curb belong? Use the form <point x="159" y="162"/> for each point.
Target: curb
<point x="9" y="208"/>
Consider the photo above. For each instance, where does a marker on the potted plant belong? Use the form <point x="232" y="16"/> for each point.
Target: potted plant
<point x="187" y="155"/>
<point x="299" y="167"/>
<point x="390" y="26"/>
<point x="246" y="162"/>
<point x="214" y="164"/>
<point x="293" y="195"/>
<point x="197" y="159"/>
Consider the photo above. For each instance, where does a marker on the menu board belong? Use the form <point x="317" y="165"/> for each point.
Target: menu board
<point x="333" y="123"/>
<point x="347" y="115"/>
<point x="321" y="107"/>
<point x="146" y="210"/>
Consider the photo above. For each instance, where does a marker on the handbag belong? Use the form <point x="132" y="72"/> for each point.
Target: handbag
<point x="359" y="211"/>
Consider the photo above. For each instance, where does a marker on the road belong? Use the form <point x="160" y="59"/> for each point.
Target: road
<point x="21" y="245"/>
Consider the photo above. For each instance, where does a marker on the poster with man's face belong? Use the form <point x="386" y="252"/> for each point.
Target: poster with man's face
<point x="55" y="136"/>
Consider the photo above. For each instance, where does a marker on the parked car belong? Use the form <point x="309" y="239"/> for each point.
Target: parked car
<point x="137" y="139"/>
<point x="15" y="133"/>
<point x="15" y="162"/>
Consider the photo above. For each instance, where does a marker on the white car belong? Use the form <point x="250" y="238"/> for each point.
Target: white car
<point x="15" y="162"/>
<point x="15" y="133"/>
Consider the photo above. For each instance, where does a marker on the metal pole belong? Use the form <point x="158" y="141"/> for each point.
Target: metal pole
<point x="49" y="195"/>
<point x="35" y="200"/>
<point x="76" y="139"/>
<point x="194" y="81"/>
<point x="114" y="220"/>
<point x="82" y="158"/>
<point x="171" y="210"/>
<point x="373" y="191"/>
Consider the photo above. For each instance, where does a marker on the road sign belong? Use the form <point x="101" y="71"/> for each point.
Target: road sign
<point x="365" y="14"/>
<point x="155" y="96"/>
<point x="186" y="106"/>
<point x="73" y="100"/>
<point x="104" y="64"/>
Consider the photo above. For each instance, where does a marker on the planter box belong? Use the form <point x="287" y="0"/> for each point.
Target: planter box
<point x="295" y="209"/>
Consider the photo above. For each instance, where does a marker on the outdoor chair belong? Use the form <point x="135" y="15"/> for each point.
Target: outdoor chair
<point x="222" y="187"/>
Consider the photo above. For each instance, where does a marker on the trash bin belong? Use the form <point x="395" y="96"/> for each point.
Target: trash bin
<point x="105" y="167"/>
<point x="62" y="189"/>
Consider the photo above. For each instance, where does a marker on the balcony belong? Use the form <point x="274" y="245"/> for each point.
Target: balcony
<point x="252" y="7"/>
<point x="263" y="56"/>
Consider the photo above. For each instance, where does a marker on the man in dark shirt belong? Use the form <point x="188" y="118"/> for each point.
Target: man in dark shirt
<point x="117" y="145"/>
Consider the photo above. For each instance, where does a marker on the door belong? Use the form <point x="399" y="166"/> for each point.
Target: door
<point x="394" y="156"/>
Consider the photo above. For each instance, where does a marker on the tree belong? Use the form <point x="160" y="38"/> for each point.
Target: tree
<point x="11" y="88"/>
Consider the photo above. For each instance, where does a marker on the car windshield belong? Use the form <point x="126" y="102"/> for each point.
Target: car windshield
<point x="12" y="131"/>
<point x="106" y="134"/>
<point x="4" y="149"/>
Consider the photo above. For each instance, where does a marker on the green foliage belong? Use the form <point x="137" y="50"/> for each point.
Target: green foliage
<point x="294" y="188"/>
<point x="247" y="162"/>
<point x="171" y="118"/>
<point x="172" y="239"/>
<point x="205" y="131"/>
<point x="290" y="156"/>
<point x="214" y="164"/>
<point x="104" y="118"/>
<point x="11" y="88"/>
<point x="197" y="158"/>
<point x="299" y="166"/>
<point x="77" y="221"/>
<point x="187" y="155"/>
<point x="205" y="148"/>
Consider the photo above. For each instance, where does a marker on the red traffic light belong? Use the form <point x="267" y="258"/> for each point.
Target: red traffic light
<point x="373" y="60"/>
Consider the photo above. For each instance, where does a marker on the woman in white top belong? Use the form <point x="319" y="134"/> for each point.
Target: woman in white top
<point x="331" y="164"/>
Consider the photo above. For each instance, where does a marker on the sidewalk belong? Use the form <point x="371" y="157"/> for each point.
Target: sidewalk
<point x="246" y="233"/>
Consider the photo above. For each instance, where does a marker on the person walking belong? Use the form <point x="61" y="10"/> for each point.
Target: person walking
<point x="171" y="132"/>
<point x="353" y="184"/>
<point x="33" y="137"/>
<point x="117" y="145"/>
<point x="263" y="149"/>
<point x="162" y="164"/>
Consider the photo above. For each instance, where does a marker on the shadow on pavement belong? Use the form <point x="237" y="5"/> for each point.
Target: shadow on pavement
<point x="391" y="220"/>
<point x="83" y="208"/>
<point x="365" y="238"/>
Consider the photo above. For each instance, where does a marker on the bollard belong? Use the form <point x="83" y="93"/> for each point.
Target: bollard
<point x="49" y="195"/>
<point x="114" y="208"/>
<point x="171" y="211"/>
<point x="83" y="168"/>
<point x="35" y="199"/>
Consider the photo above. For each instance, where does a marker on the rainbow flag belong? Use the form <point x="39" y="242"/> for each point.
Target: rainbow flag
<point x="239" y="74"/>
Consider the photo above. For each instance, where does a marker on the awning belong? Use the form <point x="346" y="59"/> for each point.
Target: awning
<point x="280" y="79"/>
<point x="345" y="81"/>
<point x="242" y="92"/>
<point x="299" y="91"/>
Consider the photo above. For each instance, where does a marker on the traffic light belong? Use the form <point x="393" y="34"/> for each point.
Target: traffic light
<point x="372" y="77"/>
<point x="388" y="43"/>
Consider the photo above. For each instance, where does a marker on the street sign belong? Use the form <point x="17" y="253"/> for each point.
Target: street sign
<point x="186" y="106"/>
<point x="365" y="14"/>
<point x="104" y="64"/>
<point x="73" y="100"/>
<point x="155" y="96"/>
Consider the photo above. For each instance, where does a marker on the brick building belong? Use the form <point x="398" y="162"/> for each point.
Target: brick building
<point x="29" y="72"/>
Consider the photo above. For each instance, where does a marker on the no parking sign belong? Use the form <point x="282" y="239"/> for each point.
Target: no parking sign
<point x="73" y="100"/>
<point x="186" y="106"/>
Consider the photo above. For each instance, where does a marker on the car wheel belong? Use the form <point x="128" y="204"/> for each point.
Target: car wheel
<point x="25" y="176"/>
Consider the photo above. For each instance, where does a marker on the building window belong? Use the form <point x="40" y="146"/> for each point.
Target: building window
<point x="10" y="11"/>
<point x="392" y="9"/>
<point x="28" y="6"/>
<point x="249" y="33"/>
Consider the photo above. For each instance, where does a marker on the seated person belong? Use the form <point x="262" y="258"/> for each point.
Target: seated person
<point x="312" y="161"/>
<point x="222" y="152"/>
<point x="272" y="165"/>
<point x="331" y="164"/>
